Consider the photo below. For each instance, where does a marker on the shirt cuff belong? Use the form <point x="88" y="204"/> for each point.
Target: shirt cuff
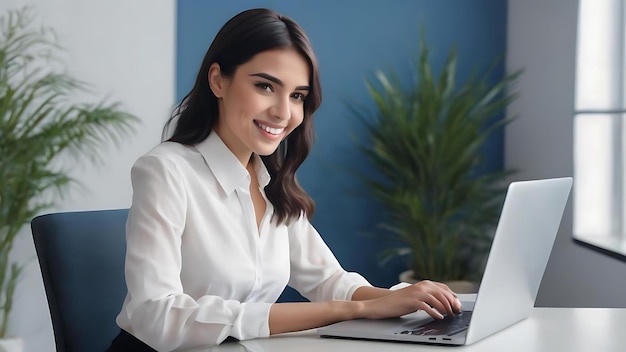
<point x="253" y="321"/>
<point x="350" y="282"/>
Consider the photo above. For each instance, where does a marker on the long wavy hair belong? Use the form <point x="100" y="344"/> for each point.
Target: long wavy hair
<point x="243" y="36"/>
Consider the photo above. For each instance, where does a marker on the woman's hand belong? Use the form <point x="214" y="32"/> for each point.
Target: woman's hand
<point x="433" y="298"/>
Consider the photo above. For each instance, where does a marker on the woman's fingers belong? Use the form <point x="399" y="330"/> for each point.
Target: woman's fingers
<point x="434" y="298"/>
<point x="438" y="296"/>
<point x="439" y="302"/>
<point x="451" y="296"/>
<point x="430" y="310"/>
<point x="456" y="302"/>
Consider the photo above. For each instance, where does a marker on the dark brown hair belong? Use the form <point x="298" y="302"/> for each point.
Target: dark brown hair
<point x="243" y="36"/>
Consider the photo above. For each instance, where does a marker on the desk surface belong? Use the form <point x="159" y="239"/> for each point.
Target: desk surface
<point x="546" y="330"/>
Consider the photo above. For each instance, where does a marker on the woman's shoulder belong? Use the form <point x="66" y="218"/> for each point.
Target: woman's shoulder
<point x="170" y="152"/>
<point x="173" y="150"/>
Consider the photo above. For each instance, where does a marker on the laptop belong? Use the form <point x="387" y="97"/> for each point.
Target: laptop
<point x="528" y="225"/>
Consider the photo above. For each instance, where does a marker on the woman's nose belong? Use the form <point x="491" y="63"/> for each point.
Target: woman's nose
<point x="282" y="108"/>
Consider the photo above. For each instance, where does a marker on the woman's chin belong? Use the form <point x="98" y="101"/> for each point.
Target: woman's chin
<point x="266" y="150"/>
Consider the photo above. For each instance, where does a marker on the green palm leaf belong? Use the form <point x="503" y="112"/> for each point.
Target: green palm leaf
<point x="40" y="122"/>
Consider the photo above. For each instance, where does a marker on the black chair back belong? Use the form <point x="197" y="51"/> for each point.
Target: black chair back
<point x="81" y="256"/>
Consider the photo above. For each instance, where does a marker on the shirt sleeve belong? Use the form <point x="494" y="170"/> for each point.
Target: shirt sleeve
<point x="315" y="272"/>
<point x="159" y="312"/>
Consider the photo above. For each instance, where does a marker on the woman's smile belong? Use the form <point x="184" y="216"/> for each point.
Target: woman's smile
<point x="273" y="132"/>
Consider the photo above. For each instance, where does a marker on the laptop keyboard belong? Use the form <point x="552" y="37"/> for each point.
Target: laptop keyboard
<point x="449" y="326"/>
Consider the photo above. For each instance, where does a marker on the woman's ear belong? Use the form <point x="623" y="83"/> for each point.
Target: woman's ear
<point x="216" y="81"/>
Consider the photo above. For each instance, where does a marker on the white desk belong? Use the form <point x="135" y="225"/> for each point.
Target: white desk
<point x="546" y="330"/>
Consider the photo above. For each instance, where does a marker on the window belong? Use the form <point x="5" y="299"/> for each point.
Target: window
<point x="599" y="127"/>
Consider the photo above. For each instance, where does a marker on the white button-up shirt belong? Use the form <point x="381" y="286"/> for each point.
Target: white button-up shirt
<point x="198" y="269"/>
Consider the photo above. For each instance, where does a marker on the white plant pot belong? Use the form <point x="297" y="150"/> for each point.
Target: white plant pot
<point x="456" y="286"/>
<point x="12" y="344"/>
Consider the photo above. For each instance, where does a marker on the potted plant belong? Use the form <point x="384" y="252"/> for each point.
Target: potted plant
<point x="426" y="143"/>
<point x="39" y="122"/>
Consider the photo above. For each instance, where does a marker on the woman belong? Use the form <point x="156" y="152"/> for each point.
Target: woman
<point x="219" y="225"/>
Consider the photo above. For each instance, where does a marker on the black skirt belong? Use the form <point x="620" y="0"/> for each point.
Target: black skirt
<point x="125" y="342"/>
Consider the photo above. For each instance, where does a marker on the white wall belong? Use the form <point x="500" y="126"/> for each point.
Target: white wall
<point x="542" y="40"/>
<point x="126" y="51"/>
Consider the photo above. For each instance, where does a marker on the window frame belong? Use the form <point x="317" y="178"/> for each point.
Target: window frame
<point x="599" y="220"/>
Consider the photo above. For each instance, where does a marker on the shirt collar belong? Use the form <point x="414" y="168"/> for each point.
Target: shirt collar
<point x="227" y="169"/>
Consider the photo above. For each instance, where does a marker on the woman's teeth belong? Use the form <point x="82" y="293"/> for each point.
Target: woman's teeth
<point x="270" y="130"/>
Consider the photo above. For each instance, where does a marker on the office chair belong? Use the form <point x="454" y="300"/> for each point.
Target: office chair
<point x="81" y="256"/>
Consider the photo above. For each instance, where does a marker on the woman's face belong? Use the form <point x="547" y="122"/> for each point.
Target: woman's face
<point x="262" y="102"/>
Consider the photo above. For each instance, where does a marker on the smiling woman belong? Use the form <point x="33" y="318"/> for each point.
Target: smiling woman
<point x="262" y="103"/>
<point x="219" y="226"/>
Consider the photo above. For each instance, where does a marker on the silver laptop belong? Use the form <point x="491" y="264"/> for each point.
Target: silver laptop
<point x="523" y="240"/>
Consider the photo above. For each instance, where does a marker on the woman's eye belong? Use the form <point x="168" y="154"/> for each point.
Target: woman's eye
<point x="298" y="96"/>
<point x="265" y="87"/>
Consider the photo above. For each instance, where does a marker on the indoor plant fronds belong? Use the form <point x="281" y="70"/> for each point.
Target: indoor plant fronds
<point x="426" y="143"/>
<point x="40" y="121"/>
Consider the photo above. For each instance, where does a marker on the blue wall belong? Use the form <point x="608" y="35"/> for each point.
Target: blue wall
<point x="353" y="39"/>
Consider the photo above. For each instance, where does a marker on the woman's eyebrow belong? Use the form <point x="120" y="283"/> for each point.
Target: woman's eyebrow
<point x="276" y="80"/>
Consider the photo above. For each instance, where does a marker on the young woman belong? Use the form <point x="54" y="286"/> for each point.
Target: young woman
<point x="219" y="225"/>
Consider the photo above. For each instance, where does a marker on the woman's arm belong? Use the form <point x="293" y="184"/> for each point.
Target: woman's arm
<point x="369" y="292"/>
<point x="341" y="295"/>
<point x="368" y="302"/>
<point x="298" y="316"/>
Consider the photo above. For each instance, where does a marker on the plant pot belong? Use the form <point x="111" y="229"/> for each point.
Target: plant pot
<point x="11" y="344"/>
<point x="458" y="286"/>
